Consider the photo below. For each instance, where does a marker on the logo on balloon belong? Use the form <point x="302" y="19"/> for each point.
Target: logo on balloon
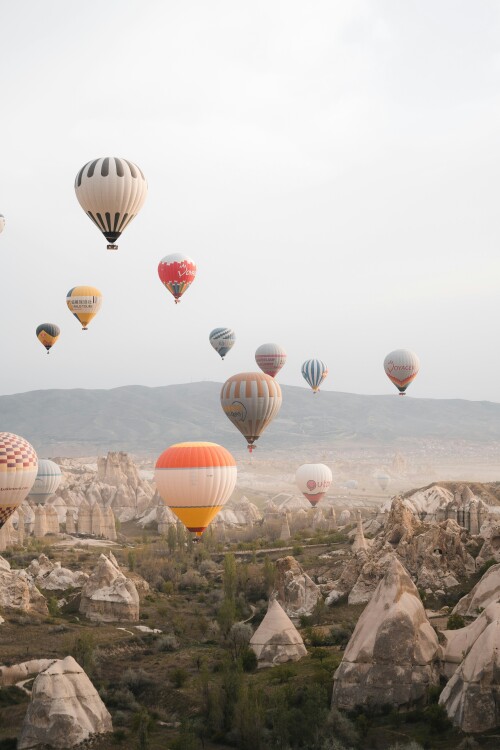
<point x="311" y="485"/>
<point x="236" y="411"/>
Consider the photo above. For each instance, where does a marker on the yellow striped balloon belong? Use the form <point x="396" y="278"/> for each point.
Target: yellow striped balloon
<point x="84" y="302"/>
<point x="195" y="480"/>
<point x="251" y="400"/>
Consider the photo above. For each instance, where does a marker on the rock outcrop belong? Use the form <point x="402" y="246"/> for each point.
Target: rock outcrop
<point x="52" y="577"/>
<point x="392" y="656"/>
<point x="18" y="592"/>
<point x="472" y="696"/>
<point x="277" y="640"/>
<point x="108" y="595"/>
<point x="295" y="590"/>
<point x="458" y="643"/>
<point x="65" y="708"/>
<point x="485" y="592"/>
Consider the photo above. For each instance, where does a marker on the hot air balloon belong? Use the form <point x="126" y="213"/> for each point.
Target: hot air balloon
<point x="195" y="480"/>
<point x="313" y="481"/>
<point x="222" y="340"/>
<point x="314" y="371"/>
<point x="383" y="481"/>
<point x="84" y="302"/>
<point x="401" y="366"/>
<point x="177" y="272"/>
<point x="111" y="191"/>
<point x="47" y="481"/>
<point x="18" y="469"/>
<point x="2" y="223"/>
<point x="47" y="334"/>
<point x="251" y="400"/>
<point x="270" y="358"/>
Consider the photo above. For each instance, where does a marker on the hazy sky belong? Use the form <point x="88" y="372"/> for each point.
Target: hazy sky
<point x="332" y="167"/>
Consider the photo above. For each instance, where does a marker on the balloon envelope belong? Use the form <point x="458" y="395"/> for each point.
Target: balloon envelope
<point x="314" y="371"/>
<point x="251" y="400"/>
<point x="47" y="481"/>
<point x="383" y="481"/>
<point x="195" y="480"/>
<point x="2" y="223"/>
<point x="270" y="358"/>
<point x="222" y="340"/>
<point x="84" y="302"/>
<point x="18" y="470"/>
<point x="47" y="334"/>
<point x="401" y="367"/>
<point x="313" y="481"/>
<point x="111" y="191"/>
<point x="177" y="272"/>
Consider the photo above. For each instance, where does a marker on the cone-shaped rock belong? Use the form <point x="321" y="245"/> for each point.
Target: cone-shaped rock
<point x="472" y="696"/>
<point x="486" y="591"/>
<point x="392" y="655"/>
<point x="277" y="640"/>
<point x="65" y="708"/>
<point x="295" y="590"/>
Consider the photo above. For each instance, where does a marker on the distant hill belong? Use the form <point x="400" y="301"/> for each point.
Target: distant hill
<point x="146" y="420"/>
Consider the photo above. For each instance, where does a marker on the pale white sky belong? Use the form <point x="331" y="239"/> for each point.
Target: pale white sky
<point x="332" y="167"/>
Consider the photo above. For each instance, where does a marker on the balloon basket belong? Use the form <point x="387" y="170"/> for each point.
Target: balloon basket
<point x="112" y="247"/>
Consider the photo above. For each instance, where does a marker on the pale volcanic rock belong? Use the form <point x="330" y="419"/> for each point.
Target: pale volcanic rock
<point x="458" y="643"/>
<point x="40" y="526"/>
<point x="490" y="550"/>
<point x="84" y="524"/>
<point x="65" y="708"/>
<point x="277" y="640"/>
<point x="52" y="519"/>
<point x="117" y="468"/>
<point x="109" y="524"/>
<point x="472" y="696"/>
<point x="52" y="577"/>
<point x="372" y="571"/>
<point x="97" y="520"/>
<point x="241" y="513"/>
<point x="294" y="589"/>
<point x="70" y="521"/>
<point x="401" y="524"/>
<point x="392" y="656"/>
<point x="108" y="595"/>
<point x="18" y="592"/>
<point x="285" y="530"/>
<point x="60" y="506"/>
<point x="345" y="518"/>
<point x="485" y="592"/>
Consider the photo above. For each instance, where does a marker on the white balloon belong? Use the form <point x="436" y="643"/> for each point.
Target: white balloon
<point x="313" y="481"/>
<point x="401" y="367"/>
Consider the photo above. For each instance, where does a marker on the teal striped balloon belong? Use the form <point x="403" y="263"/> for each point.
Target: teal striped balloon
<point x="314" y="372"/>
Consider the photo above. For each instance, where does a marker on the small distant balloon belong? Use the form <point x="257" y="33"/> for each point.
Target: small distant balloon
<point x="84" y="302"/>
<point x="47" y="334"/>
<point x="270" y="358"/>
<point x="401" y="367"/>
<point x="222" y="340"/>
<point x="47" y="481"/>
<point x="314" y="481"/>
<point x="177" y="272"/>
<point x="383" y="481"/>
<point x="314" y="371"/>
<point x="195" y="480"/>
<point x="18" y="470"/>
<point x="251" y="400"/>
<point x="2" y="223"/>
<point x="111" y="191"/>
<point x="351" y="484"/>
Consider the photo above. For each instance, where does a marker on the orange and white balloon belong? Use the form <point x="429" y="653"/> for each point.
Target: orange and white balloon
<point x="195" y="480"/>
<point x="313" y="481"/>
<point x="18" y="470"/>
<point x="251" y="400"/>
<point x="401" y="367"/>
<point x="270" y="358"/>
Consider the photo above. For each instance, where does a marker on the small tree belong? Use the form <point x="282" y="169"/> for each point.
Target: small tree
<point x="455" y="622"/>
<point x="230" y="577"/>
<point x="171" y="538"/>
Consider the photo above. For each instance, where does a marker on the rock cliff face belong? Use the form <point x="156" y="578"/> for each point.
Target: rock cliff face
<point x="295" y="590"/>
<point x="65" y="708"/>
<point x="472" y="696"/>
<point x="18" y="592"/>
<point x="458" y="643"/>
<point x="486" y="591"/>
<point x="277" y="640"/>
<point x="108" y="596"/>
<point x="392" y="656"/>
<point x="436" y="555"/>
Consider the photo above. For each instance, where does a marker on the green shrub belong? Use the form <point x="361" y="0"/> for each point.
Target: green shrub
<point x="486" y="566"/>
<point x="179" y="677"/>
<point x="455" y="622"/>
<point x="249" y="660"/>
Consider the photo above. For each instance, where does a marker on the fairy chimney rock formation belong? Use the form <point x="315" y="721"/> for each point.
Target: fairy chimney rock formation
<point x="65" y="708"/>
<point x="84" y="518"/>
<point x="40" y="528"/>
<point x="116" y="469"/>
<point x="486" y="591"/>
<point x="294" y="589"/>
<point x="359" y="540"/>
<point x="70" y="522"/>
<point x="108" y="595"/>
<point x="52" y="519"/>
<point x="472" y="696"/>
<point x="392" y="655"/>
<point x="96" y="520"/>
<point x="285" y="530"/>
<point x="277" y="640"/>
